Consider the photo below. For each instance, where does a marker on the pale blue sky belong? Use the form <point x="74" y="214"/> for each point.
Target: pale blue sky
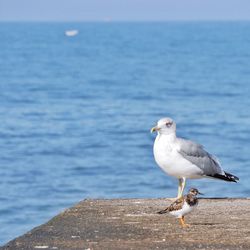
<point x="123" y="10"/>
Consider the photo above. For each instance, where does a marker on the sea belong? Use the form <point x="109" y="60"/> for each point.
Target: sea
<point x="76" y="111"/>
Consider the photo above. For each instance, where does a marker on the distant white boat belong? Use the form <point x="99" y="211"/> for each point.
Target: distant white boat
<point x="71" y="32"/>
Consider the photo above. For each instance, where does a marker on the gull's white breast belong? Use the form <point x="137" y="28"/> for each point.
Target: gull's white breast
<point x="183" y="211"/>
<point x="170" y="161"/>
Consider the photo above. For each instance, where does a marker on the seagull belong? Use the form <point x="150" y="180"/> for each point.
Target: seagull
<point x="184" y="159"/>
<point x="183" y="206"/>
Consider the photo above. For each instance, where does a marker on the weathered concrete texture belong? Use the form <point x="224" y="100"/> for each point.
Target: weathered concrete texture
<point x="134" y="224"/>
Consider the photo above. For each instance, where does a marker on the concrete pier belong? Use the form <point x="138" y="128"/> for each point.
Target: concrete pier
<point x="135" y="224"/>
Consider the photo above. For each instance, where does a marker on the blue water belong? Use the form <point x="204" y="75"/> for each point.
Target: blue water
<point x="76" y="111"/>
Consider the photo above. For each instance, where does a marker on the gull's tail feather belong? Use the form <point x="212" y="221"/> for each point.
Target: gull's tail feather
<point x="226" y="177"/>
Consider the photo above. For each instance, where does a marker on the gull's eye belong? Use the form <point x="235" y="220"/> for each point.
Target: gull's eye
<point x="168" y="124"/>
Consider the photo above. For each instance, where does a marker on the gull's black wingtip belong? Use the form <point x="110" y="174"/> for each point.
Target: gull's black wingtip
<point x="227" y="177"/>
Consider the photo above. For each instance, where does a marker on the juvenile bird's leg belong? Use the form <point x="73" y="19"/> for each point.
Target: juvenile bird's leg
<point x="182" y="221"/>
<point x="182" y="183"/>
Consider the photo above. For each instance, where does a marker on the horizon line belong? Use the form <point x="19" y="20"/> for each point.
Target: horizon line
<point x="123" y="21"/>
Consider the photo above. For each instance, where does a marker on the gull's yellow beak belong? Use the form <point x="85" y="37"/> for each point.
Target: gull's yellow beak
<point x="154" y="129"/>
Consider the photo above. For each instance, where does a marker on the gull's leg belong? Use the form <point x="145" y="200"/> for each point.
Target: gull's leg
<point x="179" y="188"/>
<point x="182" y="183"/>
<point x="182" y="221"/>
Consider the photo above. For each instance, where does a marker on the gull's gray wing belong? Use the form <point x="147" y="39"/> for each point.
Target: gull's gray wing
<point x="196" y="154"/>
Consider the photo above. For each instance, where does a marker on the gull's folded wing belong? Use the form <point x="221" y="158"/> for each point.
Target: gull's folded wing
<point x="208" y="163"/>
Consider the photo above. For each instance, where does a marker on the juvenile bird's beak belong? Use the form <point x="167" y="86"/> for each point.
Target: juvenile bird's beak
<point x="200" y="193"/>
<point x="154" y="129"/>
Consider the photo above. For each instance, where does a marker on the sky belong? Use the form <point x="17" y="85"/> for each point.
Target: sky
<point x="123" y="10"/>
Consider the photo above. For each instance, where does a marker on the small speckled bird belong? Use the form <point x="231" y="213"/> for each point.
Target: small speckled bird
<point x="183" y="206"/>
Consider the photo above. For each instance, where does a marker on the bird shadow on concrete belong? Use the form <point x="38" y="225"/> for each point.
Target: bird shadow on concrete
<point x="218" y="198"/>
<point x="206" y="223"/>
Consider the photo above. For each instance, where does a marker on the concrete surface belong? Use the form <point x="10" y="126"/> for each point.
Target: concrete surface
<point x="135" y="224"/>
